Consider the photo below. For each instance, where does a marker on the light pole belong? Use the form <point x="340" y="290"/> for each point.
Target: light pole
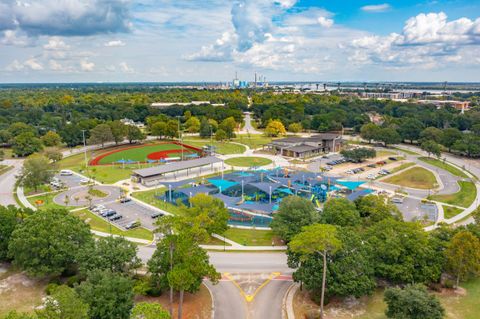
<point x="84" y="148"/>
<point x="179" y="135"/>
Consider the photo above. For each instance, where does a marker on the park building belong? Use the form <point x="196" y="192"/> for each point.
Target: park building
<point x="305" y="147"/>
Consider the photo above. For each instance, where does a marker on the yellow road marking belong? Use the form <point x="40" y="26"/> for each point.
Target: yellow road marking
<point x="249" y="298"/>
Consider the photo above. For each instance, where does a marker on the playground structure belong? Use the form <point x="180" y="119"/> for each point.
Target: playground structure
<point x="253" y="196"/>
<point x="148" y="153"/>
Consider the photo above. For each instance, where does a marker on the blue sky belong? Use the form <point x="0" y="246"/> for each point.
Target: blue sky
<point x="209" y="40"/>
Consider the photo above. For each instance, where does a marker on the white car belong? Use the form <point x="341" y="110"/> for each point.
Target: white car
<point x="371" y="176"/>
<point x="66" y="172"/>
<point x="349" y="171"/>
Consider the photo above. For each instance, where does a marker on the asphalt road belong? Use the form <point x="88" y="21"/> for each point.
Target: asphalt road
<point x="7" y="182"/>
<point x="268" y="304"/>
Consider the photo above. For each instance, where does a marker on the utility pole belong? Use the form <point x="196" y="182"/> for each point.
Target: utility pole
<point x="84" y="148"/>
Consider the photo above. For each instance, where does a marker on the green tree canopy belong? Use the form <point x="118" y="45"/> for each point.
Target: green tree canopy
<point x="373" y="209"/>
<point x="146" y="310"/>
<point x="101" y="134"/>
<point x="340" y="212"/>
<point x="63" y="303"/>
<point x="358" y="155"/>
<point x="294" y="212"/>
<point x="37" y="171"/>
<point x="26" y="144"/>
<point x="51" y="139"/>
<point x="47" y="241"/>
<point x="463" y="256"/>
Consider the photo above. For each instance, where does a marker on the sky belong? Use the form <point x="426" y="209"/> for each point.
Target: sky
<point x="211" y="40"/>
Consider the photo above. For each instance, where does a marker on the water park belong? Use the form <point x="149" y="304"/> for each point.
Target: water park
<point x="253" y="196"/>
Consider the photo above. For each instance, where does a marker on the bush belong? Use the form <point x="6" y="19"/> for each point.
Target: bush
<point x="50" y="288"/>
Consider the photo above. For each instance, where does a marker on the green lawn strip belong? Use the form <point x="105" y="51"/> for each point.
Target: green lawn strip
<point x="401" y="167"/>
<point x="97" y="193"/>
<point x="415" y="177"/>
<point x="449" y="211"/>
<point x="449" y="168"/>
<point x="248" y="161"/>
<point x="252" y="237"/>
<point x="252" y="140"/>
<point x="223" y="148"/>
<point x="5" y="168"/>
<point x="99" y="224"/>
<point x="215" y="241"/>
<point x="383" y="153"/>
<point x="406" y="151"/>
<point x="40" y="189"/>
<point x="47" y="201"/>
<point x="149" y="198"/>
<point x="463" y="198"/>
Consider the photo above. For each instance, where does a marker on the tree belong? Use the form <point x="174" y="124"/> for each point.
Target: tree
<point x="412" y="302"/>
<point x="389" y="135"/>
<point x="37" y="171"/>
<point x="18" y="128"/>
<point x="101" y="134"/>
<point x="403" y="252"/>
<point x="5" y="137"/>
<point x="15" y="315"/>
<point x="228" y="125"/>
<point x="193" y="124"/>
<point x="275" y="128"/>
<point x="350" y="270"/>
<point x="118" y="130"/>
<point x="159" y="129"/>
<point x="450" y="136"/>
<point x="358" y="155"/>
<point x="8" y="222"/>
<point x="63" y="303"/>
<point x="340" y="212"/>
<point x="293" y="213"/>
<point x="370" y="132"/>
<point x="431" y="147"/>
<point x="206" y="129"/>
<point x="220" y="135"/>
<point x="72" y="135"/>
<point x="373" y="209"/>
<point x="108" y="295"/>
<point x="463" y="256"/>
<point x="25" y="144"/>
<point x="53" y="154"/>
<point x="115" y="254"/>
<point x="469" y="144"/>
<point x="295" y="128"/>
<point x="410" y="129"/>
<point x="316" y="239"/>
<point x="145" y="310"/>
<point x="134" y="134"/>
<point x="51" y="139"/>
<point x="183" y="267"/>
<point x="431" y="133"/>
<point x="47" y="241"/>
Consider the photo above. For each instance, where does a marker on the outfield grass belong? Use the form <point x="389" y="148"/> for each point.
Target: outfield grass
<point x="449" y="211"/>
<point x="415" y="177"/>
<point x="449" y="168"/>
<point x="223" y="148"/>
<point x="252" y="237"/>
<point x="139" y="154"/>
<point x="99" y="224"/>
<point x="248" y="161"/>
<point x="464" y="198"/>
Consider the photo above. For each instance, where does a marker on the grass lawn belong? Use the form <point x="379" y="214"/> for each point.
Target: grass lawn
<point x="4" y="168"/>
<point x="223" y="148"/>
<point x="252" y="140"/>
<point x="40" y="189"/>
<point x="99" y="224"/>
<point x="252" y="237"/>
<point x="406" y="151"/>
<point x="450" y="211"/>
<point x="373" y="307"/>
<point x="47" y="201"/>
<point x="7" y="151"/>
<point x="401" y="167"/>
<point x="97" y="193"/>
<point x="384" y="153"/>
<point x="248" y="161"/>
<point x="463" y="198"/>
<point x="149" y="198"/>
<point x="139" y="154"/>
<point x="415" y="177"/>
<point x="440" y="164"/>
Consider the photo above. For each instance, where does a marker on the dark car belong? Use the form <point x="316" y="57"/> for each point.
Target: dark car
<point x="108" y="213"/>
<point x="392" y="158"/>
<point x="125" y="200"/>
<point x="372" y="165"/>
<point x="156" y="215"/>
<point x="132" y="225"/>
<point x="115" y="217"/>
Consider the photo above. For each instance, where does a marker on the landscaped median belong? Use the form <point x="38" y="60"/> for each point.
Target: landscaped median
<point x="415" y="177"/>
<point x="443" y="165"/>
<point x="463" y="198"/>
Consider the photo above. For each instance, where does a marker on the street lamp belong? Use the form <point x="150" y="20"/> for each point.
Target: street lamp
<point x="179" y="135"/>
<point x="84" y="148"/>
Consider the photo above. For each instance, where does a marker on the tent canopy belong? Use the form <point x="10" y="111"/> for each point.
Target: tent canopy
<point x="222" y="183"/>
<point x="351" y="185"/>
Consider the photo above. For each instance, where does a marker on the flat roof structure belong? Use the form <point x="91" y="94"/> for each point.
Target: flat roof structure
<point x="175" y="167"/>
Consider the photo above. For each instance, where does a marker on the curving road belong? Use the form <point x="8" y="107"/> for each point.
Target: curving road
<point x="7" y="182"/>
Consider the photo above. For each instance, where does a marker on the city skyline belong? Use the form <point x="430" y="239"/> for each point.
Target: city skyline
<point x="284" y="40"/>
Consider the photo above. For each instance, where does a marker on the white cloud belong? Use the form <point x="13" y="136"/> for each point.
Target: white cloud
<point x="87" y="66"/>
<point x="55" y="66"/>
<point x="31" y="64"/>
<point x="15" y="66"/>
<point x="124" y="67"/>
<point x="56" y="44"/>
<point x="115" y="43"/>
<point x="12" y="37"/>
<point x="324" y="22"/>
<point x="376" y="7"/>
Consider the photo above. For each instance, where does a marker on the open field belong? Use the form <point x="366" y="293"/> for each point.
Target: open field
<point x="248" y="161"/>
<point x="99" y="224"/>
<point x="252" y="140"/>
<point x="402" y="167"/>
<point x="252" y="237"/>
<point x="457" y="306"/>
<point x="384" y="153"/>
<point x="449" y="168"/>
<point x="223" y="148"/>
<point x="416" y="177"/>
<point x="463" y="198"/>
<point x="47" y="201"/>
<point x="450" y="211"/>
<point x="406" y="151"/>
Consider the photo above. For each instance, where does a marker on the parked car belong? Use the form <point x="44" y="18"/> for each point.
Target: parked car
<point x="108" y="213"/>
<point x="115" y="217"/>
<point x="350" y="171"/>
<point x="156" y="215"/>
<point x="66" y="172"/>
<point x="125" y="199"/>
<point x="381" y="163"/>
<point x="397" y="200"/>
<point x="56" y="184"/>
<point x="372" y="165"/>
<point x="133" y="224"/>
<point x="392" y="158"/>
<point x="84" y="181"/>
<point x="97" y="208"/>
<point x="371" y="176"/>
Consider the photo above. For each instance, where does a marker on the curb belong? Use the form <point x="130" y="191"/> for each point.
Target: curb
<point x="213" y="300"/>
<point x="288" y="312"/>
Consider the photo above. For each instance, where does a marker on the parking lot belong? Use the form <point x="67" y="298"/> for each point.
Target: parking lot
<point x="71" y="180"/>
<point x="131" y="211"/>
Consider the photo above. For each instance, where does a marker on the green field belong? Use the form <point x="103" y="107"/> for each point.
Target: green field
<point x="449" y="211"/>
<point x="406" y="151"/>
<point x="462" y="198"/>
<point x="97" y="193"/>
<point x="416" y="177"/>
<point x="223" y="148"/>
<point x="99" y="224"/>
<point x="252" y="140"/>
<point x="449" y="168"/>
<point x="149" y="198"/>
<point x="139" y="154"/>
<point x="252" y="237"/>
<point x="47" y="201"/>
<point x="248" y="161"/>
